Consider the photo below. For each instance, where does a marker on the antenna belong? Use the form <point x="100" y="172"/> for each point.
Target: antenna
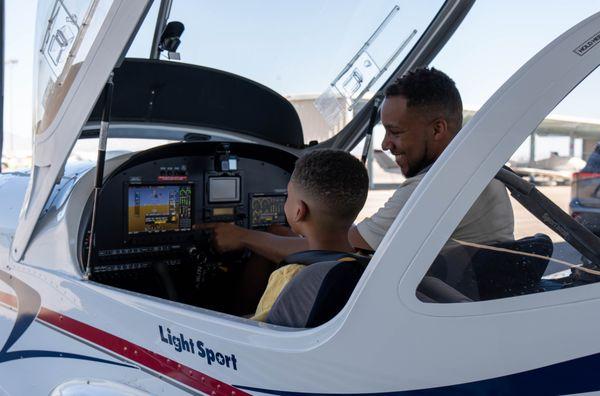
<point x="102" y="139"/>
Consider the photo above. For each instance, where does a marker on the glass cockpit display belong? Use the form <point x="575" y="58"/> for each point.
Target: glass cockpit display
<point x="224" y="189"/>
<point x="159" y="208"/>
<point x="267" y="210"/>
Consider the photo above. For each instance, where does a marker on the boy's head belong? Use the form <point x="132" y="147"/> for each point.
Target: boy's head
<point x="327" y="190"/>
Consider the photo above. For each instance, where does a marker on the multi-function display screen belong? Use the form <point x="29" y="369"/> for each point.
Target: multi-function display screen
<point x="267" y="210"/>
<point x="159" y="208"/>
<point x="223" y="189"/>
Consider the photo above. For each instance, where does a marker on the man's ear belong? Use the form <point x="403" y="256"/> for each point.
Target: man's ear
<point x="440" y="128"/>
<point x="301" y="212"/>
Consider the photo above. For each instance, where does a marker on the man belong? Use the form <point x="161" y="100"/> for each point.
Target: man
<point x="421" y="113"/>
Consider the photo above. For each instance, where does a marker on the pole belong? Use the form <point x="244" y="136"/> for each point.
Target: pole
<point x="102" y="139"/>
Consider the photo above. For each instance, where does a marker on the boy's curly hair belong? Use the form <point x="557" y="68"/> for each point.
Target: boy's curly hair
<point x="335" y="179"/>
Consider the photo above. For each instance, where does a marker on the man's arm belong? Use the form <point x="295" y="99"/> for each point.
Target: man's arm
<point x="228" y="237"/>
<point x="356" y="240"/>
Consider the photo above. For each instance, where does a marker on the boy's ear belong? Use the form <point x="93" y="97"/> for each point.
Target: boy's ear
<point x="301" y="211"/>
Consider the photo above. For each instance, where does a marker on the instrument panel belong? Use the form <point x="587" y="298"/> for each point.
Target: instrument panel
<point x="150" y="207"/>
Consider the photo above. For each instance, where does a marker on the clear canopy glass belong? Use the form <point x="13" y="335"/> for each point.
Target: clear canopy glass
<point x="65" y="30"/>
<point x="326" y="57"/>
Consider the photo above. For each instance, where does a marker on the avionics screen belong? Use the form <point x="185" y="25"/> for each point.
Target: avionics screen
<point x="267" y="210"/>
<point x="159" y="208"/>
<point x="223" y="189"/>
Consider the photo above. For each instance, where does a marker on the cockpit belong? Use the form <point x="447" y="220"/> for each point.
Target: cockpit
<point x="156" y="202"/>
<point x="236" y="140"/>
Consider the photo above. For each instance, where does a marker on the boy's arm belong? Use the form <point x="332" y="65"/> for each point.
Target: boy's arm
<point x="228" y="237"/>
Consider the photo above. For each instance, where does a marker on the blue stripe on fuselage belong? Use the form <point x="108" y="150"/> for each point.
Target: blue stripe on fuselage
<point x="573" y="376"/>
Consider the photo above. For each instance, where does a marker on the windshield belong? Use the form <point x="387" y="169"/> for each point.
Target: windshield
<point x="65" y="30"/>
<point x="326" y="57"/>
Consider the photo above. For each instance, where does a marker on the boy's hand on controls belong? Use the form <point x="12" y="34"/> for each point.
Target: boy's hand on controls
<point x="226" y="236"/>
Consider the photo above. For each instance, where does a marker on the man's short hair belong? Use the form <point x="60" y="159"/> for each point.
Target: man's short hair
<point x="335" y="179"/>
<point x="431" y="91"/>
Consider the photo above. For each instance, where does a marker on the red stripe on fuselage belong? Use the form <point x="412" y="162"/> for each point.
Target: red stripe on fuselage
<point x="145" y="357"/>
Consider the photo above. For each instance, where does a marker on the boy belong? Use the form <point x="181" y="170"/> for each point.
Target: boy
<point x="327" y="190"/>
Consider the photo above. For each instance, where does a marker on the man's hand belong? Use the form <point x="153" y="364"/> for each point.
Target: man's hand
<point x="226" y="236"/>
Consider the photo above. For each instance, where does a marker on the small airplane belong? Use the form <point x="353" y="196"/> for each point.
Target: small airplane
<point x="92" y="302"/>
<point x="555" y="169"/>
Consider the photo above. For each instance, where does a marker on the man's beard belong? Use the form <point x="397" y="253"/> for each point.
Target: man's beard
<point x="424" y="162"/>
<point x="414" y="169"/>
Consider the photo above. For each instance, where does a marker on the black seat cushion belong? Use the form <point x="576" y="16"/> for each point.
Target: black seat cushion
<point x="503" y="274"/>
<point x="435" y="290"/>
<point x="495" y="271"/>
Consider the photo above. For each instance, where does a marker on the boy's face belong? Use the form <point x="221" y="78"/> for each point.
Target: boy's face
<point x="293" y="207"/>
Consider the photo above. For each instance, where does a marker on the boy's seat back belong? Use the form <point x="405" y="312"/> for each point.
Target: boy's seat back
<point x="318" y="292"/>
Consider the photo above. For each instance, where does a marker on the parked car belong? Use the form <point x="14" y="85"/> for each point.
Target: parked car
<point x="585" y="193"/>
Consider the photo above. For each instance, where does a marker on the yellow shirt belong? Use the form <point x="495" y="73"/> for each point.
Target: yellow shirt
<point x="277" y="281"/>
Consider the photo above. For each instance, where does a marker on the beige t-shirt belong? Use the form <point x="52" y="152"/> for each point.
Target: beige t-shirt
<point x="490" y="219"/>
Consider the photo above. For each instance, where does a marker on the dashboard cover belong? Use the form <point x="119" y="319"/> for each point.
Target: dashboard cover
<point x="155" y="91"/>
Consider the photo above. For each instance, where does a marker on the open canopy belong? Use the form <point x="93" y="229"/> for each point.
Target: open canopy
<point x="79" y="43"/>
<point x="154" y="91"/>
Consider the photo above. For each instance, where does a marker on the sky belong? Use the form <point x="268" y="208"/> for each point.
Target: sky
<point x="496" y="38"/>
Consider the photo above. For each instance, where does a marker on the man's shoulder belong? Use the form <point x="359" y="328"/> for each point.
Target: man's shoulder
<point x="408" y="185"/>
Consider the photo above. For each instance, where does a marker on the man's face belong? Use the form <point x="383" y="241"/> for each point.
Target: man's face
<point x="407" y="135"/>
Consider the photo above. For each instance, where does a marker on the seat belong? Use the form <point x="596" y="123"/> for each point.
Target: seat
<point x="317" y="293"/>
<point x="434" y="290"/>
<point x="495" y="271"/>
<point x="500" y="274"/>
